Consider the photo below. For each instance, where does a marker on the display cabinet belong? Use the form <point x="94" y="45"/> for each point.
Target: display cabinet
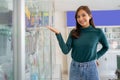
<point x="40" y="47"/>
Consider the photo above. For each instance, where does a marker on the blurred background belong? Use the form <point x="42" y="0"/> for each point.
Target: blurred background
<point x="29" y="51"/>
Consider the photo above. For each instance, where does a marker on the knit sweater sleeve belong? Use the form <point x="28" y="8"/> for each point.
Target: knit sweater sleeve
<point x="65" y="47"/>
<point x="103" y="41"/>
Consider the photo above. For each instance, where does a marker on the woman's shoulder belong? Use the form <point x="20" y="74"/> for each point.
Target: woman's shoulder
<point x="98" y="29"/>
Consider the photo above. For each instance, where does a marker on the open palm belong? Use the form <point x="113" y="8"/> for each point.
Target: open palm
<point x="53" y="29"/>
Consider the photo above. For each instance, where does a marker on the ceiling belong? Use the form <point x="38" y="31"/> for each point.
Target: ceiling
<point x="68" y="5"/>
<point x="64" y="5"/>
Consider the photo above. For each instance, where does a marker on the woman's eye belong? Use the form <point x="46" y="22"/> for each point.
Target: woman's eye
<point x="83" y="15"/>
<point x="78" y="16"/>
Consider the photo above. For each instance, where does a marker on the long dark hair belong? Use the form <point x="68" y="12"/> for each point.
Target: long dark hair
<point x="76" y="31"/>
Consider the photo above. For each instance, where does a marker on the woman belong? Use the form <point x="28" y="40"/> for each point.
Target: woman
<point x="83" y="41"/>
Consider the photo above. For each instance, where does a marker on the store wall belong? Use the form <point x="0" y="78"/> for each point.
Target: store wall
<point x="60" y="24"/>
<point x="101" y="18"/>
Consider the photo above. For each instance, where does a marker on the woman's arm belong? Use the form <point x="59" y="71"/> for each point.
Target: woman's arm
<point x="104" y="42"/>
<point x="65" y="47"/>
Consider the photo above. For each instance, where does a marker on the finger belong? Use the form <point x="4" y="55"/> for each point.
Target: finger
<point x="48" y="27"/>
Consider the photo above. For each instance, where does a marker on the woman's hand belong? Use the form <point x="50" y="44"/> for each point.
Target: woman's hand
<point x="53" y="29"/>
<point x="97" y="63"/>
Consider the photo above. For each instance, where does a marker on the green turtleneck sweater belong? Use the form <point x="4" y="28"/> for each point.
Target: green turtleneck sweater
<point x="85" y="47"/>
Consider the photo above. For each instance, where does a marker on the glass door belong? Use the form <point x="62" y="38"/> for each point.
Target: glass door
<point x="39" y="46"/>
<point x="6" y="40"/>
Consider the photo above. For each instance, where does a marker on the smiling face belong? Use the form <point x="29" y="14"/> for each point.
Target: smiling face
<point x="83" y="18"/>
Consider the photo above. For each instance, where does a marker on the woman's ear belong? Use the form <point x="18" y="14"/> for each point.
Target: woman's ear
<point x="90" y="16"/>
